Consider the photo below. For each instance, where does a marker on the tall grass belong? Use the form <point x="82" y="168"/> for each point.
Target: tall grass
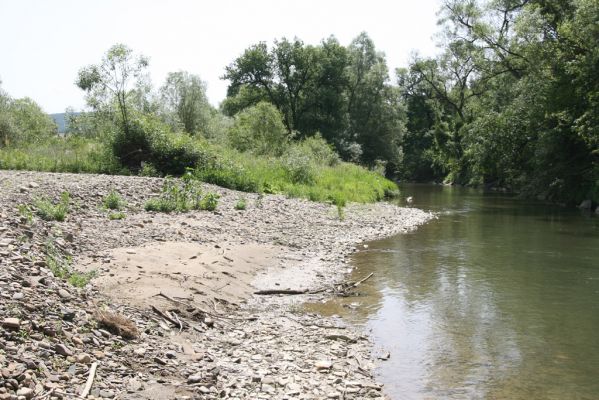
<point x="71" y="154"/>
<point x="292" y="174"/>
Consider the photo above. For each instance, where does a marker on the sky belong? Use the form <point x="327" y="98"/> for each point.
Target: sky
<point x="43" y="44"/>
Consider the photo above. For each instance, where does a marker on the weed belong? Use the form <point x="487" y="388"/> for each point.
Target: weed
<point x="25" y="212"/>
<point x="182" y="196"/>
<point x="209" y="202"/>
<point x="116" y="215"/>
<point x="49" y="211"/>
<point x="241" y="204"/>
<point x="61" y="268"/>
<point x="114" y="201"/>
<point x="259" y="200"/>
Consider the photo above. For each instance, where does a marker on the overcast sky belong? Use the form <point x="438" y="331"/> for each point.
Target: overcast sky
<point x="44" y="43"/>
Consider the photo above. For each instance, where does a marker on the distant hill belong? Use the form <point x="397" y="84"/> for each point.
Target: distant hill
<point x="61" y="121"/>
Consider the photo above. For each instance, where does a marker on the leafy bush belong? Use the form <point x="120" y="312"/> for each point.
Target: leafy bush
<point x="49" y="211"/>
<point x="148" y="140"/>
<point x="319" y="150"/>
<point x="259" y="129"/>
<point x="113" y="201"/>
<point x="299" y="166"/>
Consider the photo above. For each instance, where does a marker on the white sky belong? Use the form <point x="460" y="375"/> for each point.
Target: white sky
<point x="44" y="43"/>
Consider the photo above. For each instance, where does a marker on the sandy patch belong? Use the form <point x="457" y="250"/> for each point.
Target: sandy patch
<point x="213" y="275"/>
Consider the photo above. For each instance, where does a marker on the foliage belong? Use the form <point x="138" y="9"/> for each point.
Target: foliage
<point x="183" y="99"/>
<point x="259" y="129"/>
<point x="49" y="211"/>
<point x="343" y="93"/>
<point x="113" y="201"/>
<point x="511" y="101"/>
<point x="112" y="80"/>
<point x="56" y="154"/>
<point x="182" y="196"/>
<point x="23" y="122"/>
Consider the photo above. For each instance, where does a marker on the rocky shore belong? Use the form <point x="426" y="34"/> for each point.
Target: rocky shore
<point x="171" y="312"/>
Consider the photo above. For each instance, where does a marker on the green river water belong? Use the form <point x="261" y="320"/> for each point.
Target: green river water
<point x="498" y="298"/>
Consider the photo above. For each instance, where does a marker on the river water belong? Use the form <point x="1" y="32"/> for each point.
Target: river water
<point x="498" y="298"/>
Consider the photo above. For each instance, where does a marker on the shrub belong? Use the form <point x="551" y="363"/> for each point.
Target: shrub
<point x="49" y="211"/>
<point x="319" y="150"/>
<point x="209" y="202"/>
<point x="298" y="166"/>
<point x="259" y="129"/>
<point x="148" y="140"/>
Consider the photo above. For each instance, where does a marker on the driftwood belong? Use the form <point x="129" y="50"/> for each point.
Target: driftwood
<point x="340" y="289"/>
<point x="280" y="291"/>
<point x="190" y="306"/>
<point x="168" y="318"/>
<point x="90" y="381"/>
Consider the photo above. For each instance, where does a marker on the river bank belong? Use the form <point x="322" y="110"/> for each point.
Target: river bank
<point x="214" y="339"/>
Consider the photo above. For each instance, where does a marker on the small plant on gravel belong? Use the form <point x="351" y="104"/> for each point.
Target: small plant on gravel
<point x="340" y="202"/>
<point x="114" y="201"/>
<point x="182" y="196"/>
<point x="241" y="204"/>
<point x="49" y="211"/>
<point x="25" y="212"/>
<point x="61" y="268"/>
<point x="259" y="200"/>
<point x="116" y="215"/>
<point x="209" y="202"/>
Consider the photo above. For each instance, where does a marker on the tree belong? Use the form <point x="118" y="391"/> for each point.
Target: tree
<point x="112" y="80"/>
<point x="183" y="96"/>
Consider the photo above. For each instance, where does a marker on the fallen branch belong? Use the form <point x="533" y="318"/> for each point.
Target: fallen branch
<point x="90" y="380"/>
<point x="280" y="291"/>
<point x="163" y="315"/>
<point x="358" y="283"/>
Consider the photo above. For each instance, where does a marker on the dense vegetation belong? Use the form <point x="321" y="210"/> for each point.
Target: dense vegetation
<point x="511" y="101"/>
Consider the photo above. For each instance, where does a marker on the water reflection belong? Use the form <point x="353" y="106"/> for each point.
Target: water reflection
<point x="496" y="299"/>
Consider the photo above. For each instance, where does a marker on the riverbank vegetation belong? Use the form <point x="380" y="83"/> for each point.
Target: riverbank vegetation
<point x="510" y="101"/>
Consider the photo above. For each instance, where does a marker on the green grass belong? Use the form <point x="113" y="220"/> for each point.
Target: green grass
<point x="49" y="211"/>
<point x="71" y="154"/>
<point x="114" y="201"/>
<point x="343" y="182"/>
<point x="290" y="174"/>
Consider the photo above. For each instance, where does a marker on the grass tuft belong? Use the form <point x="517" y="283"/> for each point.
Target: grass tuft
<point x="49" y="211"/>
<point x="114" y="201"/>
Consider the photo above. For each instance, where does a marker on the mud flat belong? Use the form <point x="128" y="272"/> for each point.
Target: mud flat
<point x="171" y="310"/>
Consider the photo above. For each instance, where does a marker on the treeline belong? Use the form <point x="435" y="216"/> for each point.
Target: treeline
<point x="511" y="101"/>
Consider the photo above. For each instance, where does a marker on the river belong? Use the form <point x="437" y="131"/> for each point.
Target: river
<point x="498" y="298"/>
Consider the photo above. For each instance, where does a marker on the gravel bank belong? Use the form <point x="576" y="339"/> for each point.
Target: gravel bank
<point x="214" y="338"/>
